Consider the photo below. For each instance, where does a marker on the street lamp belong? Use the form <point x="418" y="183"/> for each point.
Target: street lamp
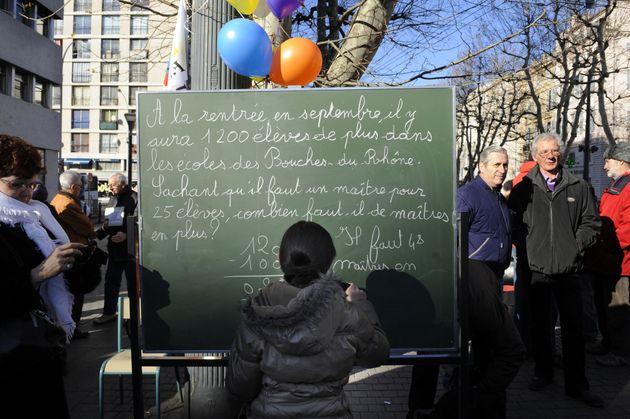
<point x="131" y="123"/>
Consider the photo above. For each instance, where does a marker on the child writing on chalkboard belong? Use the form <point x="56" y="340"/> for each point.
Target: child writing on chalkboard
<point x="300" y="337"/>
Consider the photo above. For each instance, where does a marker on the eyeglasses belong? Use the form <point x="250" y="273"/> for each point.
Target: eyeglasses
<point x="545" y="153"/>
<point x="20" y="184"/>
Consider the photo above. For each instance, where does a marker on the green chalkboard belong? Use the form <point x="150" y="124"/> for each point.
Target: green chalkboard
<point x="223" y="175"/>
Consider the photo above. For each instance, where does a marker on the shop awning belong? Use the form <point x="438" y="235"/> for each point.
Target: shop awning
<point x="77" y="162"/>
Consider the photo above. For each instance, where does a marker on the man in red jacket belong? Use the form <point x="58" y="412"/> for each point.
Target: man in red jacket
<point x="610" y="258"/>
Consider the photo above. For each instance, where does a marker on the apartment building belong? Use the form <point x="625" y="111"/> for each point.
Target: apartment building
<point x="30" y="69"/>
<point x="112" y="50"/>
<point x="491" y="101"/>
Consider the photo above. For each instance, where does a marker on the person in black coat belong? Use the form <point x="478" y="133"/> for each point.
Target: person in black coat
<point x="498" y="353"/>
<point x="121" y="205"/>
<point x="32" y="287"/>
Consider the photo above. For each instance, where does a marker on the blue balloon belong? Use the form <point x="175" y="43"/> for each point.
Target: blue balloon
<point x="245" y="48"/>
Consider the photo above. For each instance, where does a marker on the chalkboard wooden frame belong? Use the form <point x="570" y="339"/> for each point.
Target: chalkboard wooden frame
<point x="452" y="348"/>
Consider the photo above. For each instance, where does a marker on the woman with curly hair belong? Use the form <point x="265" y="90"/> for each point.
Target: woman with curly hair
<point x="34" y="253"/>
<point x="300" y="337"/>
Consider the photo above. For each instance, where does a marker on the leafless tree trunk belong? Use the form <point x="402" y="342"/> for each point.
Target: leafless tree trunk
<point x="360" y="44"/>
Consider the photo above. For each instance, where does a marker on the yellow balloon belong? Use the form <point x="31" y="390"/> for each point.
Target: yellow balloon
<point x="246" y="7"/>
<point x="258" y="79"/>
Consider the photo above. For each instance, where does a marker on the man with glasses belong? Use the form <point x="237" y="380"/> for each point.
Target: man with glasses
<point x="121" y="205"/>
<point x="555" y="220"/>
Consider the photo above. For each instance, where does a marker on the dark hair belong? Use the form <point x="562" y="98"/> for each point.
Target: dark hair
<point x="40" y="193"/>
<point x="306" y="251"/>
<point x="18" y="158"/>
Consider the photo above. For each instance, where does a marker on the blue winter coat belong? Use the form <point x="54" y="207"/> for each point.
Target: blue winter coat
<point x="489" y="235"/>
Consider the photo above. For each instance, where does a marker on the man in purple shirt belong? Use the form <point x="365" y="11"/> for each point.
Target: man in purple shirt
<point x="555" y="220"/>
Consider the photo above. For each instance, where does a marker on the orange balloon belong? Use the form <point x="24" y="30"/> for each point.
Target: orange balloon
<point x="297" y="61"/>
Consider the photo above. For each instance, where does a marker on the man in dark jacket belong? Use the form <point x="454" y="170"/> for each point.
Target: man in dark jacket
<point x="121" y="205"/>
<point x="555" y="220"/>
<point x="489" y="231"/>
<point x="498" y="353"/>
<point x="77" y="225"/>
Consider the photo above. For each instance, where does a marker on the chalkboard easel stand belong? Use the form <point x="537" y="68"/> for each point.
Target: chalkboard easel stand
<point x="134" y="320"/>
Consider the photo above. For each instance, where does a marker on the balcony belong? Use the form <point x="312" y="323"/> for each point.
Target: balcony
<point x="106" y="125"/>
<point x="110" y="55"/>
<point x="139" y="54"/>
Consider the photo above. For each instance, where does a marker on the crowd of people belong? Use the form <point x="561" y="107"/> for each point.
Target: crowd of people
<point x="572" y="260"/>
<point x="300" y="338"/>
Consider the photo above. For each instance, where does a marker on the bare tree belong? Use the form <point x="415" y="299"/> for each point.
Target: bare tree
<point x="489" y="112"/>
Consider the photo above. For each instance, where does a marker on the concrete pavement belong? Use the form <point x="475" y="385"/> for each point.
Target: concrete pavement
<point x="378" y="393"/>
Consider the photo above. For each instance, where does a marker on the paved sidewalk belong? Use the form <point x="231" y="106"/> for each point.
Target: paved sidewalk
<point x="379" y="393"/>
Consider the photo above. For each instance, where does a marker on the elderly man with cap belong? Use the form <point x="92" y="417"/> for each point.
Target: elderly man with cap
<point x="609" y="260"/>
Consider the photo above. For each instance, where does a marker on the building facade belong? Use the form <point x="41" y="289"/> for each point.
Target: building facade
<point x="111" y="52"/>
<point x="30" y="70"/>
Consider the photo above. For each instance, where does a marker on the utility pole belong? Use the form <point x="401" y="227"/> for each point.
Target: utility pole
<point x="208" y="72"/>
<point x="587" y="134"/>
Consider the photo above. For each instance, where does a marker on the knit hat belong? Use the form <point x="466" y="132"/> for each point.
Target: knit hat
<point x="619" y="151"/>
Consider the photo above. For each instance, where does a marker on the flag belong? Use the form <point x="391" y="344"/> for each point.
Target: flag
<point x="177" y="69"/>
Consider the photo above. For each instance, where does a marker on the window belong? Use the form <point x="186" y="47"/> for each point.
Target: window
<point x="136" y="7"/>
<point x="24" y="11"/>
<point x="56" y="95"/>
<point x="109" y="72"/>
<point x="3" y="78"/>
<point x="110" y="48"/>
<point x="111" y="25"/>
<point x="138" y="72"/>
<point x="80" y="119"/>
<point x="43" y="22"/>
<point x="81" y="73"/>
<point x="40" y="93"/>
<point x="138" y="49"/>
<point x="81" y="48"/>
<point x="109" y="95"/>
<point x="133" y="90"/>
<point x="82" y="25"/>
<point x="109" y="119"/>
<point x="80" y="143"/>
<point x="6" y="6"/>
<point x="113" y="165"/>
<point x="82" y="5"/>
<point x="111" y="5"/>
<point x="58" y="26"/>
<point x="20" y="84"/>
<point x="81" y="95"/>
<point x="109" y="144"/>
<point x="139" y="25"/>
